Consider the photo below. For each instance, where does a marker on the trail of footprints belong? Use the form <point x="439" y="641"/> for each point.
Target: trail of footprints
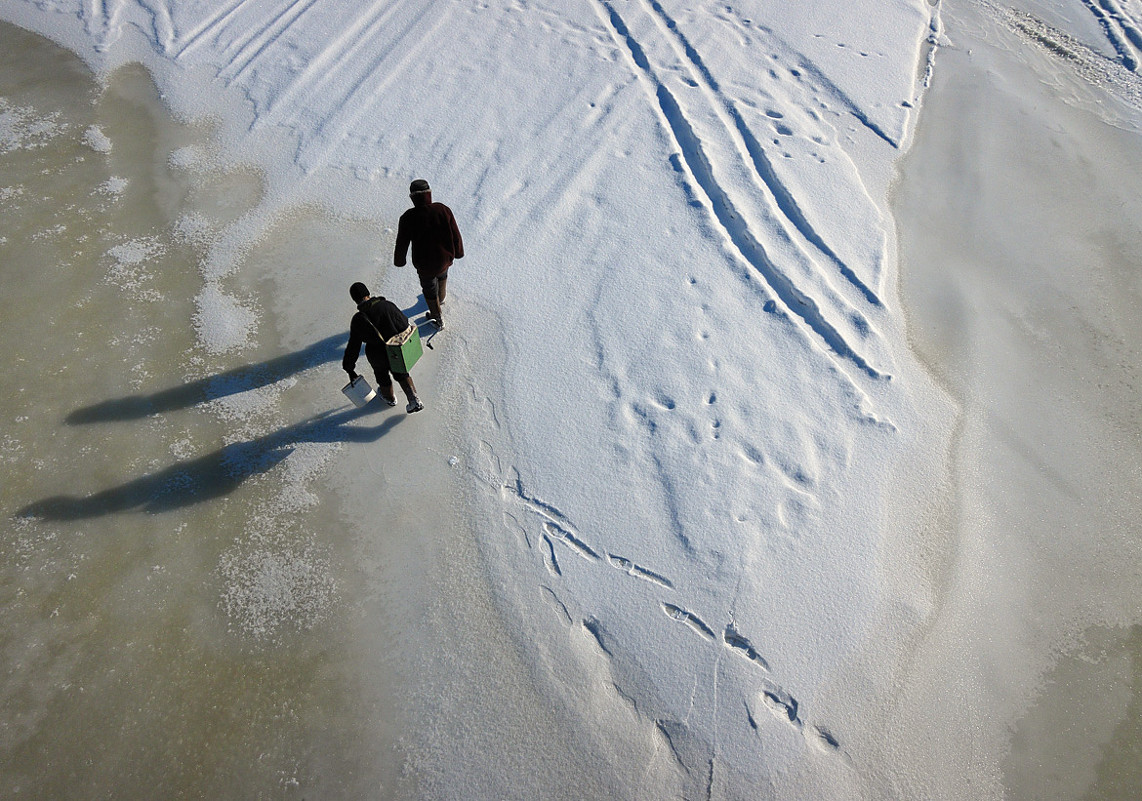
<point x="557" y="529"/>
<point x="776" y="698"/>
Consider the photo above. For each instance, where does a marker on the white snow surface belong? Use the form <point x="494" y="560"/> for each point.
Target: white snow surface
<point x="693" y="442"/>
<point x="95" y="139"/>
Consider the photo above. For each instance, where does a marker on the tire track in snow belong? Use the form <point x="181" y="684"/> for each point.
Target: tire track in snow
<point x="332" y="92"/>
<point x="763" y="167"/>
<point x="698" y="165"/>
<point x="256" y="43"/>
<point x="1122" y="31"/>
<point x="210" y="24"/>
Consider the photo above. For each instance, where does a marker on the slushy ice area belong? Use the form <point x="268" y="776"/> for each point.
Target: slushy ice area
<point x="170" y="589"/>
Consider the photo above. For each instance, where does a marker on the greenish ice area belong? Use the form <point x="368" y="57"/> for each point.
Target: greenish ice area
<point x="1020" y="227"/>
<point x="178" y="612"/>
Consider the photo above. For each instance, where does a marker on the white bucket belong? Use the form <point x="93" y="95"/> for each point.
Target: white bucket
<point x="359" y="391"/>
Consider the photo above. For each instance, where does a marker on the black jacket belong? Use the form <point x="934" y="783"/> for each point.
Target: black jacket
<point x="373" y="315"/>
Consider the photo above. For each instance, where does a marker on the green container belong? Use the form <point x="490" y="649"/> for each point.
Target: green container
<point x="404" y="349"/>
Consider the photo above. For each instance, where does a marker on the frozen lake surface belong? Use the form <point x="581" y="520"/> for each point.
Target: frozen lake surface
<point x="175" y="609"/>
<point x="204" y="595"/>
<point x="1019" y="215"/>
<point x="783" y="442"/>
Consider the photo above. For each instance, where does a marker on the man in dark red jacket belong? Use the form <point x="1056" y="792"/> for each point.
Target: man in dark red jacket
<point x="431" y="230"/>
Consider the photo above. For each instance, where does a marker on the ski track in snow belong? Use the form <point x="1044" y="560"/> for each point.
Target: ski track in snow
<point x="324" y="94"/>
<point x="704" y="125"/>
<point x="257" y="42"/>
<point x="348" y="79"/>
<point x="201" y="33"/>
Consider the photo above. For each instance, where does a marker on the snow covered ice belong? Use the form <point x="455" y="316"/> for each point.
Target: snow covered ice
<point x="739" y="475"/>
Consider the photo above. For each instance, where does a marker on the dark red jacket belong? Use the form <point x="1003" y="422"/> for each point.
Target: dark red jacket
<point x="435" y="239"/>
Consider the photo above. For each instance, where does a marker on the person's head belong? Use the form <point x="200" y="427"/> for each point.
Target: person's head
<point x="358" y="292"/>
<point x="420" y="192"/>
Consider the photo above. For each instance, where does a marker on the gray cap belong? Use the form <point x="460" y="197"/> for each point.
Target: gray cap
<point x="419" y="186"/>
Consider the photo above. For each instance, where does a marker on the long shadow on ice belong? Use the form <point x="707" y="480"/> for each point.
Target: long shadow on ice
<point x="231" y="382"/>
<point x="216" y="474"/>
<point x="416" y="309"/>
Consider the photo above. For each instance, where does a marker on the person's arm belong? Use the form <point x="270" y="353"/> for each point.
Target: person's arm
<point x="457" y="242"/>
<point x="403" y="241"/>
<point x="352" y="351"/>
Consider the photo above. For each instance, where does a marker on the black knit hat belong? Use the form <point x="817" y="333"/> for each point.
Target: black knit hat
<point x="419" y="186"/>
<point x="358" y="292"/>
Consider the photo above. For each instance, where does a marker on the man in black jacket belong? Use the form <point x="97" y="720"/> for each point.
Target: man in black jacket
<point x="376" y="320"/>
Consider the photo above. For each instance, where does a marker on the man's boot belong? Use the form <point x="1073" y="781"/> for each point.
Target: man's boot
<point x="434" y="312"/>
<point x="387" y="393"/>
<point x="414" y="404"/>
<point x="441" y="284"/>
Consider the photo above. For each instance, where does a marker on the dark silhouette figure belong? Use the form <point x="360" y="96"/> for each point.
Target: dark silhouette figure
<point x="214" y="475"/>
<point x="377" y="320"/>
<point x="231" y="382"/>
<point x="430" y="228"/>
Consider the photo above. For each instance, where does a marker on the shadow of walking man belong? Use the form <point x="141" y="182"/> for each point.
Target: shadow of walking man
<point x="215" y="474"/>
<point x="231" y="382"/>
